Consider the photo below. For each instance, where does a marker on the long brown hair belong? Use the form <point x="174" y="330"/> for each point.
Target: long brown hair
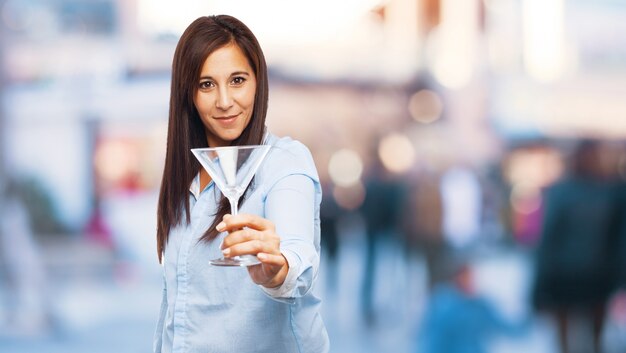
<point x="185" y="129"/>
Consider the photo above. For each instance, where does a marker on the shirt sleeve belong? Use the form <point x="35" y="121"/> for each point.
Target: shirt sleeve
<point x="290" y="204"/>
<point x="158" y="333"/>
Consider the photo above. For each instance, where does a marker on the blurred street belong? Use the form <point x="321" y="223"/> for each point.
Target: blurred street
<point x="97" y="306"/>
<point x="102" y="306"/>
<point x="99" y="310"/>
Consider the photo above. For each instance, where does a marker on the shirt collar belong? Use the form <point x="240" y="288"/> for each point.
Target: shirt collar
<point x="194" y="188"/>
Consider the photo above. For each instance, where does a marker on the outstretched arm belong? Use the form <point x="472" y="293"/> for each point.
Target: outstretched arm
<point x="285" y="240"/>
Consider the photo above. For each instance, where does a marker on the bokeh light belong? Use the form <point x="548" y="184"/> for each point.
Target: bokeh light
<point x="538" y="167"/>
<point x="345" y="167"/>
<point x="544" y="38"/>
<point x="115" y="159"/>
<point x="454" y="42"/>
<point x="425" y="106"/>
<point x="525" y="198"/>
<point x="396" y="152"/>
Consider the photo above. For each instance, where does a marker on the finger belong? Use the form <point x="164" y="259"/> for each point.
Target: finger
<point x="240" y="236"/>
<point x="272" y="259"/>
<point x="251" y="247"/>
<point x="230" y="222"/>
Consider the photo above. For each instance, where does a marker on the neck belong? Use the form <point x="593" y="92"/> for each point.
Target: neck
<point x="205" y="179"/>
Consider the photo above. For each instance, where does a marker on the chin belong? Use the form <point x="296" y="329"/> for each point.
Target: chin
<point x="228" y="139"/>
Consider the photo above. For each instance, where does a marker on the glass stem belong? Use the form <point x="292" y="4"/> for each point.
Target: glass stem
<point x="233" y="206"/>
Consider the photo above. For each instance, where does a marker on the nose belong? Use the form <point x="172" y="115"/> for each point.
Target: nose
<point x="224" y="99"/>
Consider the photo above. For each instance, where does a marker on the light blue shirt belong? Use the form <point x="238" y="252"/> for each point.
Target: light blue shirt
<point x="219" y="309"/>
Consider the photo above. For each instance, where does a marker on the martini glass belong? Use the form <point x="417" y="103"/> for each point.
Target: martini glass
<point x="232" y="168"/>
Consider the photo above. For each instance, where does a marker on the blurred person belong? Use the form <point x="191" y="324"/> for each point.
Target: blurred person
<point x="97" y="228"/>
<point x="27" y="308"/>
<point x="219" y="97"/>
<point x="330" y="213"/>
<point x="616" y="310"/>
<point x="421" y="223"/>
<point x="457" y="319"/>
<point x="576" y="258"/>
<point x="381" y="211"/>
<point x="462" y="202"/>
<point x="620" y="178"/>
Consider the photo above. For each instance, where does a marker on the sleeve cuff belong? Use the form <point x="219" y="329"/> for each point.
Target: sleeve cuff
<point x="284" y="292"/>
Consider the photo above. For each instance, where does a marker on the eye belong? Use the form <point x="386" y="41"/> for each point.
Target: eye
<point x="238" y="80"/>
<point x="206" y="84"/>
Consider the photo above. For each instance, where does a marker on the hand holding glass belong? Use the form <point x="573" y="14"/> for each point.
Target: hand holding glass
<point x="232" y="169"/>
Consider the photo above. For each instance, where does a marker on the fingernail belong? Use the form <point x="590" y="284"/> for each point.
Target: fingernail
<point x="226" y="252"/>
<point x="261" y="256"/>
<point x="220" y="227"/>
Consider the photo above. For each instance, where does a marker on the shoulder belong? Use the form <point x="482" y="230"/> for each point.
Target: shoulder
<point x="287" y="147"/>
<point x="290" y="155"/>
<point x="286" y="157"/>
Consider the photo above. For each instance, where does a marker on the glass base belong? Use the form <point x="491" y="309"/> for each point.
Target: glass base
<point x="242" y="261"/>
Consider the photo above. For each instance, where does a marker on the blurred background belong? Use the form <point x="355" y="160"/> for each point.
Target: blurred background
<point x="438" y="128"/>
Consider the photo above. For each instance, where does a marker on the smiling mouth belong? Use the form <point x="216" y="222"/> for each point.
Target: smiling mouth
<point x="226" y="117"/>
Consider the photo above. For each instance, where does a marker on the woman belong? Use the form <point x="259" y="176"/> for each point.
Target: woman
<point x="218" y="98"/>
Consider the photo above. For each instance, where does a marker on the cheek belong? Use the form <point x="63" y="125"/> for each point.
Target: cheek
<point x="251" y="95"/>
<point x="199" y="104"/>
<point x="250" y="101"/>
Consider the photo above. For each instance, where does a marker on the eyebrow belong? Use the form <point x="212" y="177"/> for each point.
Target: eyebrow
<point x="236" y="73"/>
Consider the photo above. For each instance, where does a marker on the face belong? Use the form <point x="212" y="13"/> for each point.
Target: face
<point x="225" y="95"/>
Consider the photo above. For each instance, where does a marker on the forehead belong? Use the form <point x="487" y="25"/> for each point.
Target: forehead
<point x="226" y="60"/>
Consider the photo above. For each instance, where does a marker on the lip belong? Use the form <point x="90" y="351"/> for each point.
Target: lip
<point x="226" y="119"/>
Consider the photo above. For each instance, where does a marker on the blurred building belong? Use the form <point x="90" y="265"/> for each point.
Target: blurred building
<point x="86" y="83"/>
